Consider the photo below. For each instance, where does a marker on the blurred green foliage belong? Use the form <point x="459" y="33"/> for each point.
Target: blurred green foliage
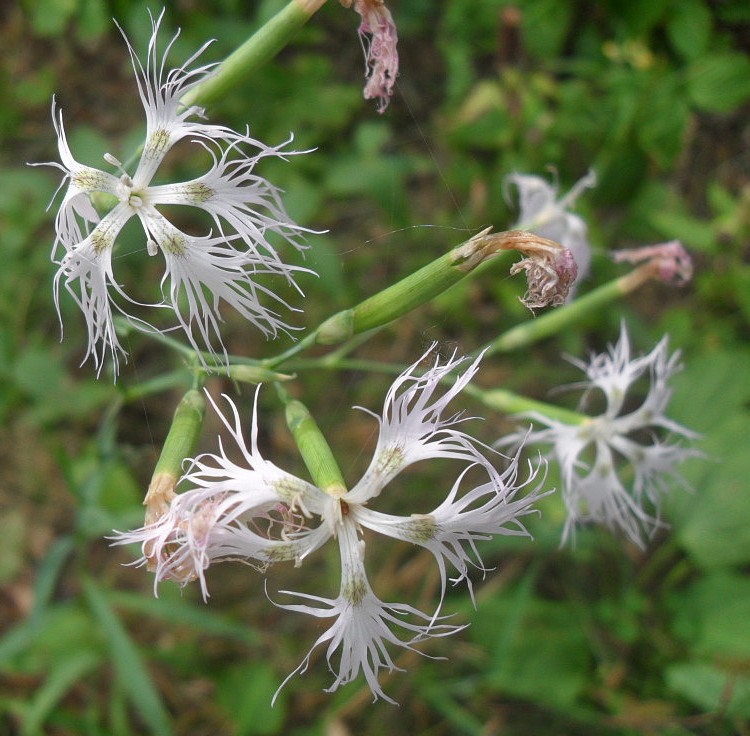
<point x="597" y="639"/>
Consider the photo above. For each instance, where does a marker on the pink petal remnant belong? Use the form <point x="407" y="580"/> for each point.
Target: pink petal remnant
<point x="377" y="33"/>
<point x="672" y="263"/>
<point x="550" y="268"/>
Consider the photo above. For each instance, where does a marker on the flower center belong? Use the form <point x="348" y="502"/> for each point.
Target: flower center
<point x="125" y="191"/>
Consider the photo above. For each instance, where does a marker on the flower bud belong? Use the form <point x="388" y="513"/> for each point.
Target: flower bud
<point x="179" y="444"/>
<point x="315" y="451"/>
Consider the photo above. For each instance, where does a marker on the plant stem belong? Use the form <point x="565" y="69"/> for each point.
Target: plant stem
<point x="556" y="320"/>
<point x="508" y="402"/>
<point x="497" y="399"/>
<point x="262" y="46"/>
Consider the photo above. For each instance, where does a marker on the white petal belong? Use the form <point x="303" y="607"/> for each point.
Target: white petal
<point x="363" y="625"/>
<point x="413" y="426"/>
<point x="197" y="267"/>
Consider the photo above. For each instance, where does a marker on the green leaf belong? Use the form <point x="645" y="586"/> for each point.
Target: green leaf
<point x="740" y="279"/>
<point x="661" y="120"/>
<point x="641" y="16"/>
<point x="711" y="688"/>
<point x="63" y="675"/>
<point x="13" y="533"/>
<point x="537" y="649"/>
<point x="689" y="28"/>
<point x="179" y="611"/>
<point x="721" y="632"/>
<point x="719" y="82"/>
<point x="245" y="693"/>
<point x="713" y="387"/>
<point x="93" y="21"/>
<point x="54" y="635"/>
<point x="49" y="572"/>
<point x="713" y="523"/>
<point x="545" y="26"/>
<point x="128" y="663"/>
<point x="49" y="17"/>
<point x="51" y="391"/>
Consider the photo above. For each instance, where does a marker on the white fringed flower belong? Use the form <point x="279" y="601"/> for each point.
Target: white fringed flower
<point x="257" y="513"/>
<point x="617" y="466"/>
<point x="542" y="213"/>
<point x="362" y="624"/>
<point x="224" y="263"/>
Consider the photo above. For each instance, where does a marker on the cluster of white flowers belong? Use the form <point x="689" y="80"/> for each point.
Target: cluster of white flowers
<point x="224" y="263"/>
<point x="254" y="511"/>
<point x="618" y="464"/>
<point x="261" y="514"/>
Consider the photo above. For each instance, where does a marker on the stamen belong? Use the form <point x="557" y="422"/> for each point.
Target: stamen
<point x="114" y="161"/>
<point x="110" y="159"/>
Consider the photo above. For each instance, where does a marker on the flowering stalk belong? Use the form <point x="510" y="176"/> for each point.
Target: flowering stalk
<point x="668" y="263"/>
<point x="548" y="266"/>
<point x="508" y="402"/>
<point x="263" y="45"/>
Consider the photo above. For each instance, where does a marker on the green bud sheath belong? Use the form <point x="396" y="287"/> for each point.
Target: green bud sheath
<point x="180" y="444"/>
<point x="316" y="453"/>
<point x="255" y="374"/>
<point x="412" y="291"/>
<point x="183" y="434"/>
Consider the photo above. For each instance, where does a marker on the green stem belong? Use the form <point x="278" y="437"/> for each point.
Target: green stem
<point x="424" y="284"/>
<point x="306" y="342"/>
<point x="262" y="46"/>
<point x="158" y="384"/>
<point x="508" y="402"/>
<point x="556" y="320"/>
<point x="497" y="399"/>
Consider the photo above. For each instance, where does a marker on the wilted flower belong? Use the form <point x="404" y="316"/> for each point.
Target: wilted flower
<point x="377" y="33"/>
<point x="670" y="261"/>
<point x="244" y="208"/>
<point x="258" y="513"/>
<point x="550" y="270"/>
<point x="617" y="466"/>
<point x="542" y="213"/>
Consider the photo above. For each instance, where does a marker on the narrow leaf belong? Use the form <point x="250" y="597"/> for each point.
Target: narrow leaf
<point x="128" y="663"/>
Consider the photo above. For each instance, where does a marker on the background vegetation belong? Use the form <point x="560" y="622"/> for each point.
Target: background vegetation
<point x="597" y="639"/>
